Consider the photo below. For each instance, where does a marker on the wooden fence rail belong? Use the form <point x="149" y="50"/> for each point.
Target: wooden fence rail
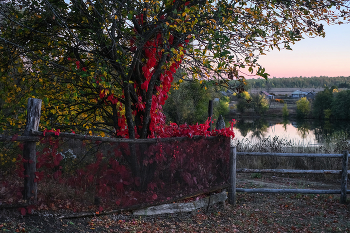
<point x="344" y="172"/>
<point x="31" y="134"/>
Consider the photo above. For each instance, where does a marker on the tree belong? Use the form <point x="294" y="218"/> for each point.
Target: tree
<point x="285" y="111"/>
<point x="303" y="107"/>
<point x="243" y="102"/>
<point x="340" y="108"/>
<point x="108" y="65"/>
<point x="260" y="104"/>
<point x="323" y="101"/>
<point x="188" y="103"/>
<point x="222" y="107"/>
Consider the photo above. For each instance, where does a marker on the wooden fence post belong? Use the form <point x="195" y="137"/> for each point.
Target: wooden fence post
<point x="344" y="177"/>
<point x="232" y="189"/>
<point x="29" y="150"/>
<point x="210" y="113"/>
<point x="220" y="123"/>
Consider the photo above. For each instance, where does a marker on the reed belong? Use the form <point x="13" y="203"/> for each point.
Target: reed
<point x="337" y="144"/>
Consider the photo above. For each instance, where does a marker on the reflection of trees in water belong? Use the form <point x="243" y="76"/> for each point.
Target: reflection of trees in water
<point x="285" y="122"/>
<point x="324" y="131"/>
<point x="258" y="127"/>
<point x="303" y="128"/>
<point x="243" y="127"/>
<point x="327" y="131"/>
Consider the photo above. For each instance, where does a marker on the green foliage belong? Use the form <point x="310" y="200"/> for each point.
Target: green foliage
<point x="334" y="88"/>
<point x="107" y="65"/>
<point x="327" y="113"/>
<point x="285" y="111"/>
<point x="260" y="104"/>
<point x="303" y="107"/>
<point x="189" y="103"/>
<point x="242" y="105"/>
<point x="257" y="102"/>
<point x="245" y="95"/>
<point x="332" y="104"/>
<point x="222" y="107"/>
<point x="323" y="100"/>
<point x="341" y="105"/>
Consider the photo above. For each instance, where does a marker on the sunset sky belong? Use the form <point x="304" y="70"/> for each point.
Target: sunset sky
<point x="329" y="56"/>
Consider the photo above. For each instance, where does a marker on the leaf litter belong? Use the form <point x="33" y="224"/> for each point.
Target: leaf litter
<point x="253" y="213"/>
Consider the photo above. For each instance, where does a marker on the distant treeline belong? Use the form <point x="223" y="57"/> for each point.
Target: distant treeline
<point x="300" y="82"/>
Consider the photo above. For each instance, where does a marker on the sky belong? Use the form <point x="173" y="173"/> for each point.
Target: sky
<point x="329" y="56"/>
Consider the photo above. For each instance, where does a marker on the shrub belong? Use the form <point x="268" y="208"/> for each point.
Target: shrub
<point x="222" y="107"/>
<point x="303" y="107"/>
<point x="285" y="111"/>
<point x="260" y="104"/>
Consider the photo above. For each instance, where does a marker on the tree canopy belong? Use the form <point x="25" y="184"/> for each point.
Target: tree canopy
<point x="108" y="65"/>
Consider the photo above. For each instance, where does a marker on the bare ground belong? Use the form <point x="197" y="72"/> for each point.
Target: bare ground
<point x="252" y="213"/>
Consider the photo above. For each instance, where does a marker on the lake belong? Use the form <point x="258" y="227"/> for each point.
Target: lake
<point x="301" y="133"/>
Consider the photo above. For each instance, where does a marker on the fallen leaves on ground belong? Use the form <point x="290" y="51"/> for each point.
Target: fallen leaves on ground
<point x="253" y="213"/>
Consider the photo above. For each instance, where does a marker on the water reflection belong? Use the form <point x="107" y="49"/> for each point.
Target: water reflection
<point x="258" y="128"/>
<point x="301" y="132"/>
<point x="303" y="128"/>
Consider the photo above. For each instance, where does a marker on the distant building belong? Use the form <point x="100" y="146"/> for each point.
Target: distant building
<point x="267" y="95"/>
<point x="299" y="94"/>
<point x="310" y="95"/>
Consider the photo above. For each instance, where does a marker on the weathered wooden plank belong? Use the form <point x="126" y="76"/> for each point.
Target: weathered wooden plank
<point x="145" y="205"/>
<point x="303" y="191"/>
<point x="289" y="154"/>
<point x="288" y="171"/>
<point x="232" y="196"/>
<point x="344" y="177"/>
<point x="29" y="150"/>
<point x="183" y="207"/>
<point x="119" y="140"/>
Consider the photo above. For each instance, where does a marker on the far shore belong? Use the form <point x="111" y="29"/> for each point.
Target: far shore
<point x="288" y="91"/>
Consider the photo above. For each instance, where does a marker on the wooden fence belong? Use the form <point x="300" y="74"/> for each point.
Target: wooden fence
<point x="31" y="136"/>
<point x="233" y="171"/>
<point x="31" y="133"/>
